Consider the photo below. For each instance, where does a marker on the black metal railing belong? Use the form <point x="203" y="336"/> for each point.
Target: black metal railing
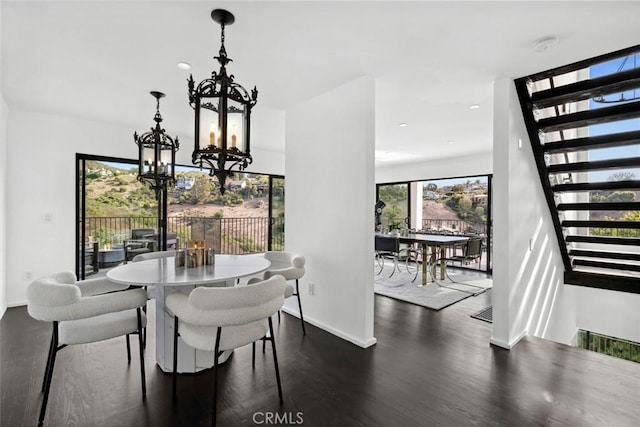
<point x="226" y="235"/>
<point x="438" y="225"/>
<point x="454" y="226"/>
<point x="612" y="346"/>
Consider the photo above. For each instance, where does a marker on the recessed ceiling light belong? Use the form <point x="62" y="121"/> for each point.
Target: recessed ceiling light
<point x="474" y="106"/>
<point x="403" y="125"/>
<point x="450" y="141"/>
<point x="184" y="65"/>
<point x="545" y="43"/>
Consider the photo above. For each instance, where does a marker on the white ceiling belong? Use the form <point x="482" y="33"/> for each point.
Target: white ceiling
<point x="431" y="60"/>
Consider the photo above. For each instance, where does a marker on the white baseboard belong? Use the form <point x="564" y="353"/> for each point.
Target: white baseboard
<point x="17" y="304"/>
<point x="505" y="345"/>
<point x="364" y="344"/>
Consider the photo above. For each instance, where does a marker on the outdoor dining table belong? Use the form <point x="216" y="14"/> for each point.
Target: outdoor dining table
<point x="435" y="242"/>
<point x="166" y="279"/>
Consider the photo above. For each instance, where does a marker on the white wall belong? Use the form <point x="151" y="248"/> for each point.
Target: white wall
<point x="4" y="111"/>
<point x="267" y="130"/>
<point x="41" y="165"/>
<point x="616" y="314"/>
<point x="329" y="196"/>
<point x="475" y="164"/>
<point x="528" y="293"/>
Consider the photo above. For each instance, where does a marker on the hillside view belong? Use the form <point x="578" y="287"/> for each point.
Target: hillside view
<point x="114" y="191"/>
<point x="446" y="204"/>
<point x="117" y="202"/>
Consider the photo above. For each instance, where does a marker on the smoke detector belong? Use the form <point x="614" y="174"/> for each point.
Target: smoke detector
<point x="545" y="43"/>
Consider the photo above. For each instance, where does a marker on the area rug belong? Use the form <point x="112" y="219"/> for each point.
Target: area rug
<point x="432" y="296"/>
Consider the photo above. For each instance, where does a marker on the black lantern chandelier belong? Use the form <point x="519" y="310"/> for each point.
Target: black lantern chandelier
<point x="156" y="166"/>
<point x="156" y="153"/>
<point x="222" y="116"/>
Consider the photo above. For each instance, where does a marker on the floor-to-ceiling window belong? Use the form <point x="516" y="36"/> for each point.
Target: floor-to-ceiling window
<point x="115" y="212"/>
<point x="396" y="212"/>
<point x="276" y="213"/>
<point x="460" y="205"/>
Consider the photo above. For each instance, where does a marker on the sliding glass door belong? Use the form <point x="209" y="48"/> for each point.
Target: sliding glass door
<point x="276" y="213"/>
<point x="459" y="206"/>
<point x="117" y="215"/>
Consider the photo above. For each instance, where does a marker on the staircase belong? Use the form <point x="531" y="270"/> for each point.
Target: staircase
<point x="583" y="122"/>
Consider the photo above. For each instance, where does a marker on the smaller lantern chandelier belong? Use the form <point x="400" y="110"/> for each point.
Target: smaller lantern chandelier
<point x="156" y="153"/>
<point x="222" y="116"/>
<point x="156" y="165"/>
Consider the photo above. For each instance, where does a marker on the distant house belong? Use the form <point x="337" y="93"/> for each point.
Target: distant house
<point x="185" y="183"/>
<point x="430" y="195"/>
<point x="237" y="185"/>
<point x="102" y="172"/>
<point x="479" y="199"/>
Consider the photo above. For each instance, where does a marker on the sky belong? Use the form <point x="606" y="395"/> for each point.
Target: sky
<point x="615" y="127"/>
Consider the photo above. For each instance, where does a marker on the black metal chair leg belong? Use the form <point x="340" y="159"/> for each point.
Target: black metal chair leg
<point x="128" y="350"/>
<point x="175" y="355"/>
<point x="278" y="316"/>
<point x="253" y="354"/>
<point x="144" y="308"/>
<point x="304" y="332"/>
<point x="49" y="375"/>
<point x="46" y="369"/>
<point x="141" y="345"/>
<point x="275" y="359"/>
<point x="216" y="355"/>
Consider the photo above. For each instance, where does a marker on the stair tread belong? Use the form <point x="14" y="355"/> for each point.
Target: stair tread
<point x="605" y="240"/>
<point x="601" y="224"/>
<point x="627" y="162"/>
<point x="604" y="185"/>
<point x="629" y="256"/>
<point x="585" y="89"/>
<point x="590" y="117"/>
<point x="615" y="206"/>
<point x="619" y="139"/>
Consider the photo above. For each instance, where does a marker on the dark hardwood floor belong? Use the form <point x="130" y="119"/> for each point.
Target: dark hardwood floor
<point x="428" y="369"/>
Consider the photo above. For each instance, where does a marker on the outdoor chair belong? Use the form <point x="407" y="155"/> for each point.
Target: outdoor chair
<point x="84" y="312"/>
<point x="145" y="240"/>
<point x="472" y="252"/>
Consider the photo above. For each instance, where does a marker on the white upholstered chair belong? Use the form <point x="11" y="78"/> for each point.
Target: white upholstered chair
<point x="218" y="319"/>
<point x="153" y="255"/>
<point x="291" y="267"/>
<point x="84" y="312"/>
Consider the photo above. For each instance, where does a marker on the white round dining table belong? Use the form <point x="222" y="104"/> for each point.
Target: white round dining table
<point x="162" y="274"/>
